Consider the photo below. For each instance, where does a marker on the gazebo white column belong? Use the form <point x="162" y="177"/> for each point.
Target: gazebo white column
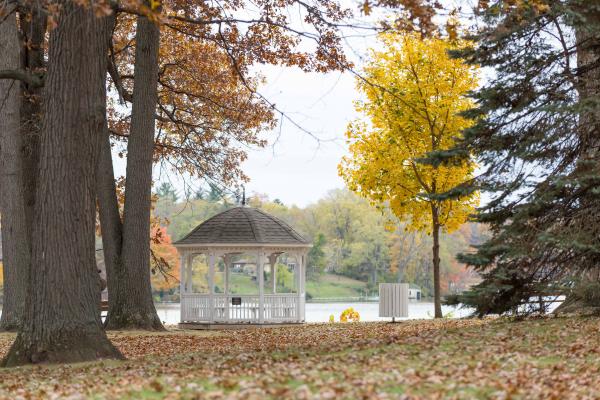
<point x="211" y="284"/>
<point x="226" y="261"/>
<point x="188" y="273"/>
<point x="273" y="263"/>
<point x="261" y="286"/>
<point x="182" y="259"/>
<point x="302" y="284"/>
<point x="299" y="284"/>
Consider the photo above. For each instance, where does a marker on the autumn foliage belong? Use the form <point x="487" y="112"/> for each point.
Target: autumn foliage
<point x="349" y="315"/>
<point x="165" y="260"/>
<point x="414" y="93"/>
<point x="551" y="358"/>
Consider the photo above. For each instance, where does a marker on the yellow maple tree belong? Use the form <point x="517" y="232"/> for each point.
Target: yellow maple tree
<point x="414" y="95"/>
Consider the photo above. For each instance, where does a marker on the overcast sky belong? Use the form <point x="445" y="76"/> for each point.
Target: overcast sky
<point x="295" y="167"/>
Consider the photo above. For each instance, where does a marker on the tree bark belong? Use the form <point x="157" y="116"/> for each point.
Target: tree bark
<point x="111" y="226"/>
<point x="132" y="306"/>
<point x="108" y="210"/>
<point x="15" y="240"/>
<point x="61" y="322"/>
<point x="437" y="300"/>
<point x="33" y="31"/>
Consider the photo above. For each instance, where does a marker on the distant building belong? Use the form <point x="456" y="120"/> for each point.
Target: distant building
<point x="414" y="292"/>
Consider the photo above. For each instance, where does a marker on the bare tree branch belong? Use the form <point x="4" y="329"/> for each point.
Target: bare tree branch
<point x="35" y="80"/>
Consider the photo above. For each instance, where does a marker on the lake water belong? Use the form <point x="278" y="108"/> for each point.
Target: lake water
<point x="320" y="312"/>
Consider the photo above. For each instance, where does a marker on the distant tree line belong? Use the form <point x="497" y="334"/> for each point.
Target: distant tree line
<point x="349" y="237"/>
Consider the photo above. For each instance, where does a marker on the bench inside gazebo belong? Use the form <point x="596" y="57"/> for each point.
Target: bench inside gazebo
<point x="254" y="266"/>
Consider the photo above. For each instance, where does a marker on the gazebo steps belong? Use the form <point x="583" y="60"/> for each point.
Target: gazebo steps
<point x="232" y="325"/>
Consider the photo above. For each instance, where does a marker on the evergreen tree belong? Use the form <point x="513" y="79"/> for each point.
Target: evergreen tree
<point x="538" y="135"/>
<point x="199" y="194"/>
<point x="215" y="194"/>
<point x="167" y="191"/>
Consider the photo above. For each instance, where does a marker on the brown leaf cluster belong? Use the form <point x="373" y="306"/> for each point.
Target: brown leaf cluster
<point x="555" y="358"/>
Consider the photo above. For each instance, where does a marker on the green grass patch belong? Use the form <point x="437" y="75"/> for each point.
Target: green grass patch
<point x="335" y="286"/>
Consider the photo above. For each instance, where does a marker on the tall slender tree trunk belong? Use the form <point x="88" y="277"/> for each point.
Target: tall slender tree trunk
<point x="437" y="300"/>
<point x="15" y="240"/>
<point x="587" y="37"/>
<point x="111" y="227"/>
<point x="108" y="209"/>
<point x="133" y="307"/>
<point x="61" y="322"/>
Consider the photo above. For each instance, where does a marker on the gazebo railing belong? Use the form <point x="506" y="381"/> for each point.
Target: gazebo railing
<point x="234" y="308"/>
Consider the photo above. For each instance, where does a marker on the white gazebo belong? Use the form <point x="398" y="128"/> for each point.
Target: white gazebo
<point x="261" y="239"/>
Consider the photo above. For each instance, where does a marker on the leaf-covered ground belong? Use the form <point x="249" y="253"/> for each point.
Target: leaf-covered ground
<point x="554" y="358"/>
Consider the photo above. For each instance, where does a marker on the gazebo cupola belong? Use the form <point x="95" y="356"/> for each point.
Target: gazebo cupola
<point x="242" y="266"/>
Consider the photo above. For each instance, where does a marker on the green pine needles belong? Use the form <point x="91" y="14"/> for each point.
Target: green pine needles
<point x="538" y="134"/>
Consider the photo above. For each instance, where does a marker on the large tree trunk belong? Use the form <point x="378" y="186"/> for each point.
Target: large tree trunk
<point x="437" y="300"/>
<point x="61" y="322"/>
<point x="133" y="307"/>
<point x="15" y="240"/>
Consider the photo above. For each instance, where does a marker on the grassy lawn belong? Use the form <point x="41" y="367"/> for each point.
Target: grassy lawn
<point x="553" y="358"/>
<point x="331" y="286"/>
<point x="328" y="286"/>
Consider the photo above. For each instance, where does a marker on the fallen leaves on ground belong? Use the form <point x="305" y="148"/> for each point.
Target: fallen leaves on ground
<point x="550" y="358"/>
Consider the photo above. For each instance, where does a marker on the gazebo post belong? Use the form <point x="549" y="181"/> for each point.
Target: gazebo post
<point x="303" y="283"/>
<point x="273" y="263"/>
<point x="188" y="273"/>
<point x="298" y="276"/>
<point x="182" y="312"/>
<point x="226" y="261"/>
<point x="211" y="284"/>
<point x="261" y="286"/>
<point x="182" y="266"/>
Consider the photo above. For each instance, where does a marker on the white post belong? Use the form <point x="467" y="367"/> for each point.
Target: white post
<point x="298" y="276"/>
<point x="303" y="280"/>
<point x="211" y="285"/>
<point x="297" y="272"/>
<point x="273" y="262"/>
<point x="261" y="287"/>
<point x="182" y="259"/>
<point x="303" y="272"/>
<point x="188" y="273"/>
<point x="226" y="261"/>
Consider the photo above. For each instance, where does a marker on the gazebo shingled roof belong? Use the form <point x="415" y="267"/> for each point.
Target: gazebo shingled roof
<point x="243" y="225"/>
